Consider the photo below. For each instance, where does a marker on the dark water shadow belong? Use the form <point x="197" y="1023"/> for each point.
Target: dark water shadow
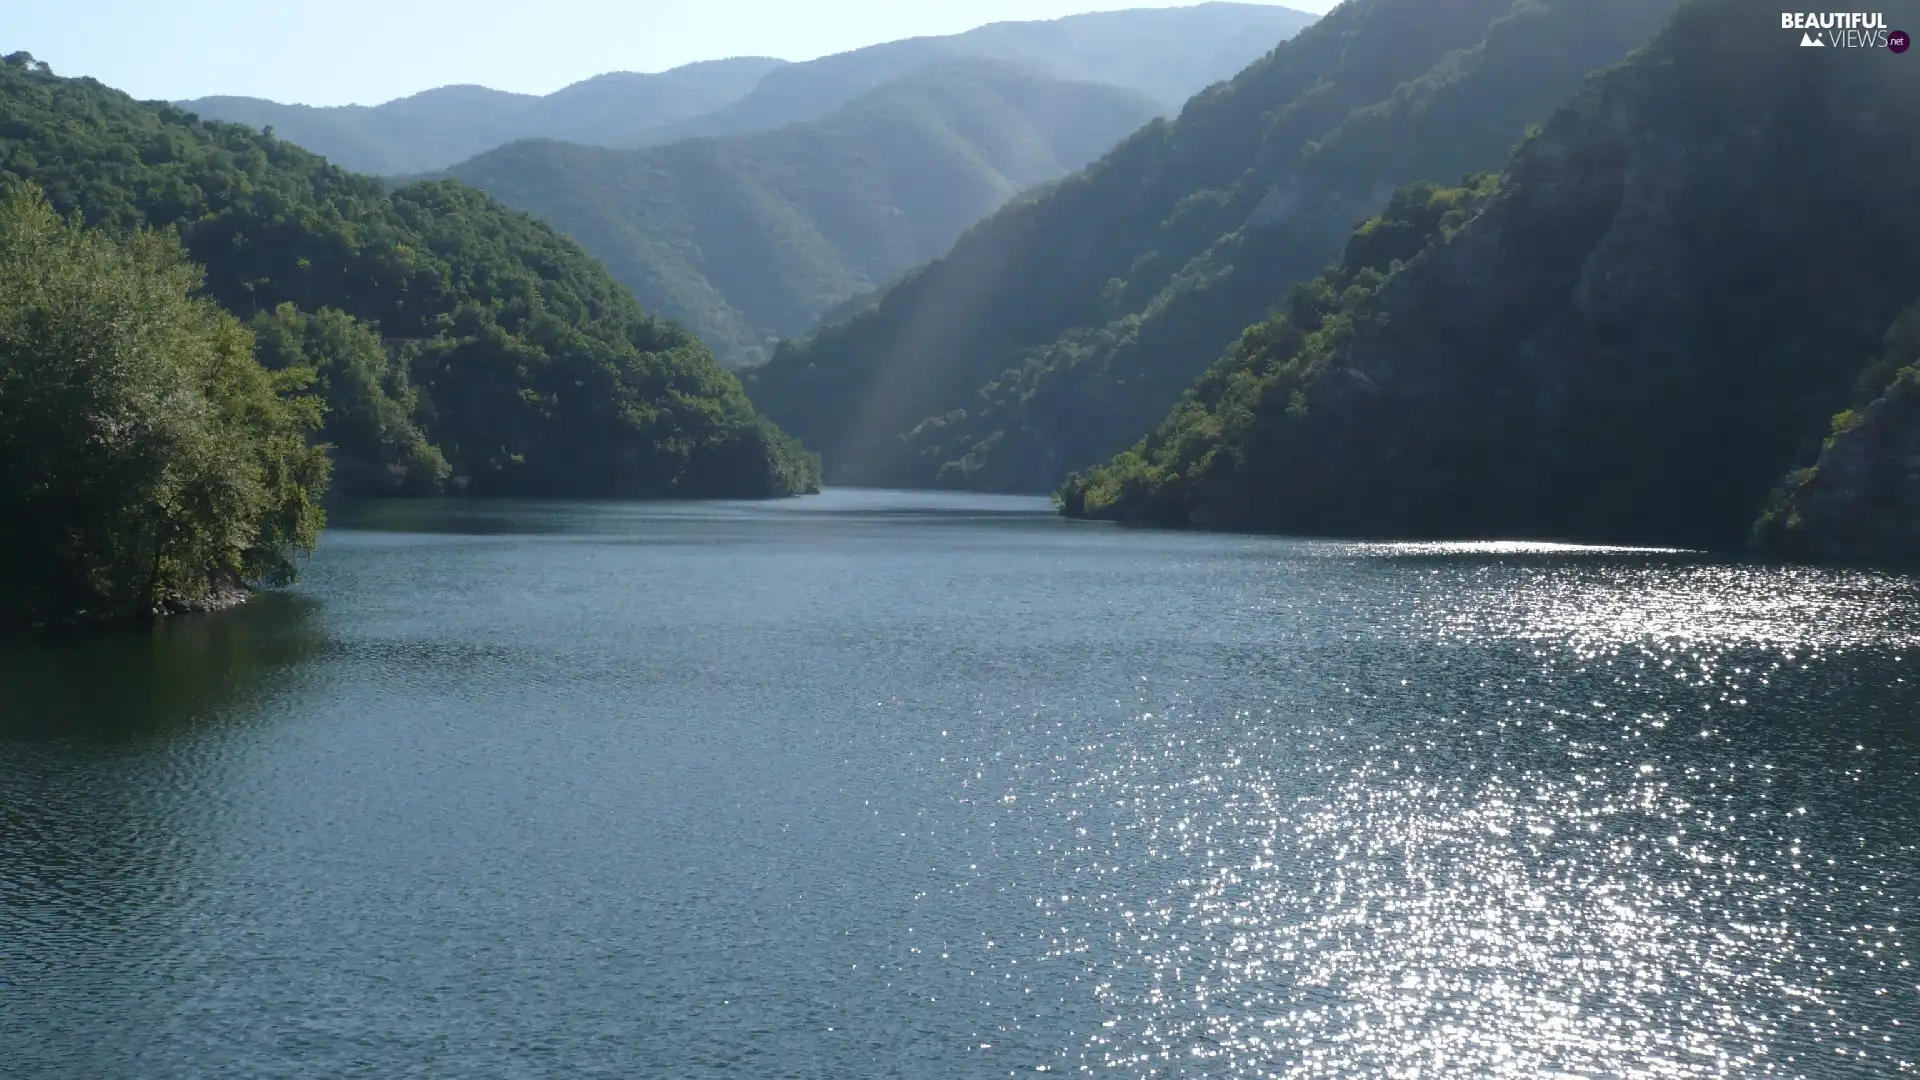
<point x="135" y="682"/>
<point x="551" y="517"/>
<point x="468" y="517"/>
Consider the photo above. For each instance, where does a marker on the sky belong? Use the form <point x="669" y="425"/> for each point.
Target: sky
<point x="340" y="52"/>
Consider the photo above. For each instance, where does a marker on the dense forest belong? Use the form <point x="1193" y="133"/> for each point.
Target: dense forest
<point x="1166" y="54"/>
<point x="147" y="462"/>
<point x="460" y="345"/>
<point x="1631" y="335"/>
<point x="1058" y="330"/>
<point x="745" y="240"/>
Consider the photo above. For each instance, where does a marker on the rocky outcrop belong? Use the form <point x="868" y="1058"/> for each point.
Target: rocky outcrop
<point x="1861" y="498"/>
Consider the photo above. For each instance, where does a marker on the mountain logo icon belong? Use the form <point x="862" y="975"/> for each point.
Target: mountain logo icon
<point x="1808" y="41"/>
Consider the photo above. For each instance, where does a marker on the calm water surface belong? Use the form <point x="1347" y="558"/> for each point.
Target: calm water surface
<point x="888" y="785"/>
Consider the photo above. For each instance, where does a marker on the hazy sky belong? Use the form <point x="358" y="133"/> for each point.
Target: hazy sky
<point x="367" y="51"/>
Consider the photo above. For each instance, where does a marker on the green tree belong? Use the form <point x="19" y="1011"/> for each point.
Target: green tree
<point x="147" y="462"/>
<point x="377" y="447"/>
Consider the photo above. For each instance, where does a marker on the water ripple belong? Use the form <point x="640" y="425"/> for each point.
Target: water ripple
<point x="903" y="787"/>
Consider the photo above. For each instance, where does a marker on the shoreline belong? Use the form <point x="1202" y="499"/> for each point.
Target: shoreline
<point x="223" y="598"/>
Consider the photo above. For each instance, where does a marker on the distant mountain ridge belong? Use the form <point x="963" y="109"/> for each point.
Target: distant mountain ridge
<point x="1167" y="54"/>
<point x="435" y="128"/>
<point x="749" y="238"/>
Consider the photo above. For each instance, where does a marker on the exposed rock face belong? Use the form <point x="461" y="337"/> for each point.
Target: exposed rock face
<point x="1861" y="500"/>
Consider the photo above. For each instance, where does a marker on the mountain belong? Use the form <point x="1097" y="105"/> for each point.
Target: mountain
<point x="435" y="128"/>
<point x="1628" y="337"/>
<point x="449" y="322"/>
<point x="1167" y="54"/>
<point x="1055" y="332"/>
<point x="746" y="239"/>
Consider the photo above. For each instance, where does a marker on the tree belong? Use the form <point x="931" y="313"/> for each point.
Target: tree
<point x="377" y="447"/>
<point x="147" y="462"/>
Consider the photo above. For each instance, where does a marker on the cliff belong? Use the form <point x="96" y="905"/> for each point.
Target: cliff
<point x="1675" y="283"/>
<point x="1861" y="496"/>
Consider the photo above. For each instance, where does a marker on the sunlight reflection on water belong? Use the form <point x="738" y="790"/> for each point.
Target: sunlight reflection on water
<point x="1595" y="861"/>
<point x="908" y="786"/>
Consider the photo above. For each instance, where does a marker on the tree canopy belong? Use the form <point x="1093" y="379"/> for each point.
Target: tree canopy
<point x="528" y="368"/>
<point x="146" y="460"/>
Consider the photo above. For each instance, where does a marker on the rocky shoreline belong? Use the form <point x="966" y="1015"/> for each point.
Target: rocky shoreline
<point x="222" y="598"/>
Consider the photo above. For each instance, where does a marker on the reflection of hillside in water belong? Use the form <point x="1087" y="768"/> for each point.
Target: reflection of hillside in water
<point x="142" y="681"/>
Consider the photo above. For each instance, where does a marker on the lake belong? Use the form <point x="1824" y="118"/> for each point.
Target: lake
<point x="879" y="784"/>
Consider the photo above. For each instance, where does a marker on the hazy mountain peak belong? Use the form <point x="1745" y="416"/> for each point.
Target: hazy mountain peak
<point x="1165" y="53"/>
<point x="436" y="127"/>
<point x="744" y="238"/>
<point x="1168" y="54"/>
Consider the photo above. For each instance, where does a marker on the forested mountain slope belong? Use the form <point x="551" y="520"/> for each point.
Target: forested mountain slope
<point x="435" y="128"/>
<point x="743" y="240"/>
<point x="497" y="344"/>
<point x="1167" y="54"/>
<point x="1647" y="323"/>
<point x="1056" y="331"/>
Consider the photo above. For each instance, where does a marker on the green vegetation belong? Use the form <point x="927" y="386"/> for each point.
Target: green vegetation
<point x="746" y="239"/>
<point x="433" y="129"/>
<point x="371" y="401"/>
<point x="1058" y="330"/>
<point x="1268" y="371"/>
<point x="1673" y="287"/>
<point x="515" y="364"/>
<point x="147" y="462"/>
